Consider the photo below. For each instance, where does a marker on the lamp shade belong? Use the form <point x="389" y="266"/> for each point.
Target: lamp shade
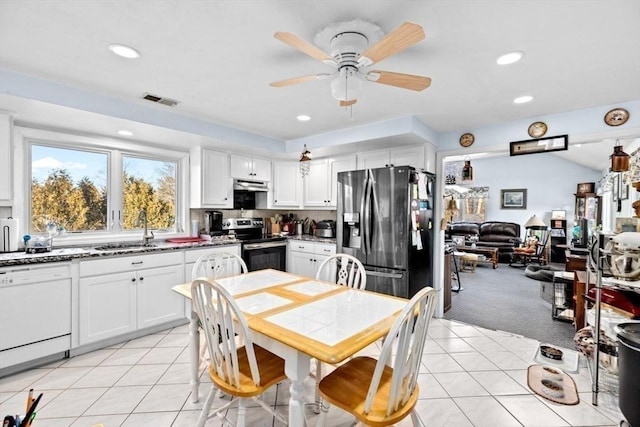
<point x="535" y="223"/>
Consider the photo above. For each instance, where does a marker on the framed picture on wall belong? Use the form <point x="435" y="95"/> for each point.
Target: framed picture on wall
<point x="616" y="187"/>
<point x="513" y="198"/>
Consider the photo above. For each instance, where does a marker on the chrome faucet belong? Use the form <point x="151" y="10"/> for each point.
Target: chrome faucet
<point x="142" y="217"/>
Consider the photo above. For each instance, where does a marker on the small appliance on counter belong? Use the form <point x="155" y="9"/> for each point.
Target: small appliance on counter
<point x="625" y="256"/>
<point x="326" y="228"/>
<point x="213" y="223"/>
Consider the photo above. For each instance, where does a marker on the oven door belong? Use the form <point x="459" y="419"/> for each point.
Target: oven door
<point x="259" y="256"/>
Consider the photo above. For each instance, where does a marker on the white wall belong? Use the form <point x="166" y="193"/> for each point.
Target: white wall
<point x="550" y="181"/>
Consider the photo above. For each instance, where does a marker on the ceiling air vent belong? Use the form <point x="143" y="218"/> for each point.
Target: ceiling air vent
<point x="160" y="100"/>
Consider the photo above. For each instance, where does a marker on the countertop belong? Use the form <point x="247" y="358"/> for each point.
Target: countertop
<point x="68" y="254"/>
<point x="310" y="238"/>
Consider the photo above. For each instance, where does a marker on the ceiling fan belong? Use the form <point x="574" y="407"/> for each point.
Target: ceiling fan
<point x="354" y="47"/>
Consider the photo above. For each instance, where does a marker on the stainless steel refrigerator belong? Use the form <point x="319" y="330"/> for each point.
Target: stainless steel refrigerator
<point x="385" y="219"/>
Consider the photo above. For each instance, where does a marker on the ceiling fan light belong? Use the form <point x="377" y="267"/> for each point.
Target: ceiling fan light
<point x="347" y="86"/>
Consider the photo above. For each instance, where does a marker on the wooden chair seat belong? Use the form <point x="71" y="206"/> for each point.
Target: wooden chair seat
<point x="271" y="372"/>
<point x="347" y="386"/>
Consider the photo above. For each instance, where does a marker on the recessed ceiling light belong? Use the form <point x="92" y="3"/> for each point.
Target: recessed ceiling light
<point x="523" y="99"/>
<point x="125" y="132"/>
<point x="577" y="145"/>
<point x="509" y="58"/>
<point x="303" y="118"/>
<point x="124" y="51"/>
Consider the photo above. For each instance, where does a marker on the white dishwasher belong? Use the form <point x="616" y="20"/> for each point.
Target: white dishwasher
<point x="35" y="312"/>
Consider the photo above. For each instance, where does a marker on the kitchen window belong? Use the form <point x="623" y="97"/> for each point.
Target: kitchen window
<point x="84" y="189"/>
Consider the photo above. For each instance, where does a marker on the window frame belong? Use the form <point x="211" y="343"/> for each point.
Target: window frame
<point x="115" y="149"/>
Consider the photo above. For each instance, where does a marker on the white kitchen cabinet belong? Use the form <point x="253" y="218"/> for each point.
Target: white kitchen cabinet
<point x="6" y="161"/>
<point x="250" y="168"/>
<point x="400" y="156"/>
<point x="123" y="294"/>
<point x="287" y="185"/>
<point x="211" y="183"/>
<point x="304" y="257"/>
<point x="320" y="185"/>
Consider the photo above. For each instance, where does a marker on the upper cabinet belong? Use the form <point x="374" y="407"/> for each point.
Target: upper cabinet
<point x="211" y="184"/>
<point x="6" y="162"/>
<point x="287" y="185"/>
<point x="320" y="185"/>
<point x="250" y="168"/>
<point x="401" y="156"/>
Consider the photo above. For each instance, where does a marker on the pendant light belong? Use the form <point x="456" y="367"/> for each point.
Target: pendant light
<point x="619" y="159"/>
<point x="305" y="158"/>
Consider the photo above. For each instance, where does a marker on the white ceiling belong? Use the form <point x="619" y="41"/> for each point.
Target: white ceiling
<point x="217" y="59"/>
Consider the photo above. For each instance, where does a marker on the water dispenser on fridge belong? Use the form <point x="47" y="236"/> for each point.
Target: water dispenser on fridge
<point x="351" y="230"/>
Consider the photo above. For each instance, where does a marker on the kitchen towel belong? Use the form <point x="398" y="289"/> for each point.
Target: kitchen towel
<point x="9" y="237"/>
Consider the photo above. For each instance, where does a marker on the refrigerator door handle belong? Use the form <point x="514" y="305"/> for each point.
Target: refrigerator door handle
<point x="380" y="274"/>
<point x="367" y="214"/>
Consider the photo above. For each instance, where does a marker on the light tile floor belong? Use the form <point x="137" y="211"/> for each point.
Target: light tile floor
<point x="470" y="377"/>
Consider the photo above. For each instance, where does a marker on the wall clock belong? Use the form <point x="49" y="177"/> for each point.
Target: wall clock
<point x="466" y="139"/>
<point x="537" y="129"/>
<point x="616" y="117"/>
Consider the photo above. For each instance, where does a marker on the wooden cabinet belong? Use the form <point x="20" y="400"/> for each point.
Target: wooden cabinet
<point x="321" y="184"/>
<point x="401" y="156"/>
<point x="304" y="257"/>
<point x="6" y="161"/>
<point x="287" y="185"/>
<point x="211" y="183"/>
<point x="123" y="294"/>
<point x="250" y="168"/>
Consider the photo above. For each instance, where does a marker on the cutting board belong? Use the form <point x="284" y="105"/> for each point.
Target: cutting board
<point x="185" y="240"/>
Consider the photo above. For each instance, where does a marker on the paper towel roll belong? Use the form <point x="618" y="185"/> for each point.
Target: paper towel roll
<point x="9" y="237"/>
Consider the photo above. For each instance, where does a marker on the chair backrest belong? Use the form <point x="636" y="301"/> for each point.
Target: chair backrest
<point x="410" y="333"/>
<point x="343" y="269"/>
<point x="216" y="265"/>
<point x="542" y="243"/>
<point x="221" y="321"/>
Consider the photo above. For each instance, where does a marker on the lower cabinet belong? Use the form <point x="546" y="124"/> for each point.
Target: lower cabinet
<point x="305" y="257"/>
<point x="124" y="294"/>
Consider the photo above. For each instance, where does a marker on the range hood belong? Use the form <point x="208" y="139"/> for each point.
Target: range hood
<point x="245" y="185"/>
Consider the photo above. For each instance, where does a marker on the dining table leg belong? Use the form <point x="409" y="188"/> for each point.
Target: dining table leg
<point x="296" y="368"/>
<point x="194" y="353"/>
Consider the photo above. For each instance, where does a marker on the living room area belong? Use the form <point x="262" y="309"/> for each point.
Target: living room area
<point x="504" y="204"/>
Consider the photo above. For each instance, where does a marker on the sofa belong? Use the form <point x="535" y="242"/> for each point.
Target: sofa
<point x="494" y="234"/>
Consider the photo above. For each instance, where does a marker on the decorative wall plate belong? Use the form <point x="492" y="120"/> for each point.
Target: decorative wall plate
<point x="616" y="117"/>
<point x="466" y="139"/>
<point x="537" y="129"/>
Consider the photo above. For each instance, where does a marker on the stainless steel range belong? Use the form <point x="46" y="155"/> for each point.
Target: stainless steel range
<point x="259" y="251"/>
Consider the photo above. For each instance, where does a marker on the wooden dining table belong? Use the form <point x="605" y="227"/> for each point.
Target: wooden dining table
<point x="299" y="318"/>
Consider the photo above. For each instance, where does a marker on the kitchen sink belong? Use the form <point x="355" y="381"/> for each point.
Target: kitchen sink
<point x="124" y="246"/>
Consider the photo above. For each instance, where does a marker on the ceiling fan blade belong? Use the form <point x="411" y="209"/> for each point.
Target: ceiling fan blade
<point x="301" y="79"/>
<point x="304" y="46"/>
<point x="347" y="103"/>
<point x="397" y="40"/>
<point x="405" y="81"/>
